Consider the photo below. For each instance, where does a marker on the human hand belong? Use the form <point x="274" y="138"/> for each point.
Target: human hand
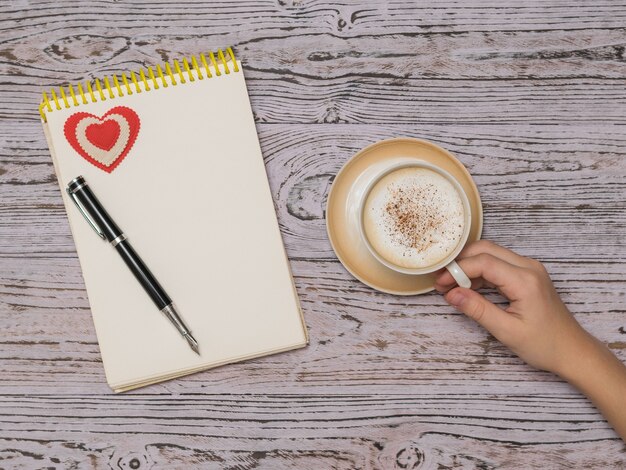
<point x="536" y="325"/>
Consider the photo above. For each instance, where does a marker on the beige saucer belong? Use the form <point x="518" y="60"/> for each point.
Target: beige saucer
<point x="343" y="202"/>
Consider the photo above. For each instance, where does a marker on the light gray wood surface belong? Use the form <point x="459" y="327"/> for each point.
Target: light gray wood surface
<point x="531" y="96"/>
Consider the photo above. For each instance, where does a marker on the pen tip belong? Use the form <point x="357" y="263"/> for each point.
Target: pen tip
<point x="192" y="343"/>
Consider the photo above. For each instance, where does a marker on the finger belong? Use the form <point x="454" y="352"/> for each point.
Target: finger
<point x="495" y="320"/>
<point x="489" y="247"/>
<point x="445" y="283"/>
<point x="443" y="287"/>
<point x="500" y="274"/>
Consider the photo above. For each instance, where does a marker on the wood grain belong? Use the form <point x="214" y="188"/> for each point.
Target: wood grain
<point x="529" y="95"/>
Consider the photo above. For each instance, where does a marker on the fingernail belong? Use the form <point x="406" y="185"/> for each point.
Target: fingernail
<point x="455" y="298"/>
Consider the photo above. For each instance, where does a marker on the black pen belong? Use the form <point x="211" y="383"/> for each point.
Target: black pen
<point x="103" y="224"/>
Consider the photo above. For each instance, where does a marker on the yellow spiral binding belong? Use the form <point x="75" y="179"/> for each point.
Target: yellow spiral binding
<point x="102" y="97"/>
<point x="56" y="100"/>
<point x="220" y="54"/>
<point x="82" y="94"/>
<point x="214" y="62"/>
<point x="194" y="62"/>
<point x="45" y="104"/>
<point x="232" y="58"/>
<point x="143" y="79"/>
<point x="179" y="71"/>
<point x="74" y="100"/>
<point x="206" y="66"/>
<point x="125" y="80"/>
<point x="186" y="65"/>
<point x="168" y="69"/>
<point x="108" y="87"/>
<point x="67" y="105"/>
<point x="93" y="97"/>
<point x="160" y="72"/>
<point x="117" y="85"/>
<point x="193" y="68"/>
<point x="135" y="82"/>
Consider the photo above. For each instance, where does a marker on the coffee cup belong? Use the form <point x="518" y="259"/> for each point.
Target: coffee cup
<point x="415" y="218"/>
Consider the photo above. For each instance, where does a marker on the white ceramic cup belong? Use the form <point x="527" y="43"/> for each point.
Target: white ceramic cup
<point x="449" y="261"/>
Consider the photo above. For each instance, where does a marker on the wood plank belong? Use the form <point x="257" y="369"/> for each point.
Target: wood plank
<point x="360" y="431"/>
<point x="534" y="76"/>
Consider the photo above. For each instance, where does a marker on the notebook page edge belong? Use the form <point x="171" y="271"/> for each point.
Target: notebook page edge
<point x="145" y="381"/>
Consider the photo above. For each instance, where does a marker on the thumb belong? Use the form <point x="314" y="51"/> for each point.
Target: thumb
<point x="471" y="303"/>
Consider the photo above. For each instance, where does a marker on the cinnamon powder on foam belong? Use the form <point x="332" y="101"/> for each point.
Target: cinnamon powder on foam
<point x="412" y="216"/>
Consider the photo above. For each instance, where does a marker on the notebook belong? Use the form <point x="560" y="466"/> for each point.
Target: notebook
<point x="173" y="155"/>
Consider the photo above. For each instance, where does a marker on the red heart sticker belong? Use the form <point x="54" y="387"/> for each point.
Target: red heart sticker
<point x="103" y="141"/>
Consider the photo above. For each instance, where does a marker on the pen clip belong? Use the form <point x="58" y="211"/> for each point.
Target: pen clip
<point x="85" y="215"/>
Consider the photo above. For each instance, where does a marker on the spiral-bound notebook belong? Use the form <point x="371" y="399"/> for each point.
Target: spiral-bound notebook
<point x="172" y="154"/>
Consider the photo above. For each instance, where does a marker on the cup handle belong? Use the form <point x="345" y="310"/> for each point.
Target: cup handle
<point x="459" y="275"/>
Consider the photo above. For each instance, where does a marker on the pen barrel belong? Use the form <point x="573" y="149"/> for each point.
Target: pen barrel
<point x="93" y="207"/>
<point x="143" y="275"/>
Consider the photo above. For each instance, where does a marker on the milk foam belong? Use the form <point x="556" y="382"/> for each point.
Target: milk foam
<point x="414" y="217"/>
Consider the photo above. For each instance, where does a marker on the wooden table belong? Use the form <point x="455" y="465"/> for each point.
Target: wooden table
<point x="529" y="95"/>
